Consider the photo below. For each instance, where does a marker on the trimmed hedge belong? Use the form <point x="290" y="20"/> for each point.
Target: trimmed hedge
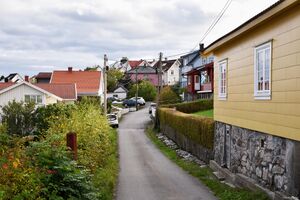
<point x="193" y="106"/>
<point x="198" y="129"/>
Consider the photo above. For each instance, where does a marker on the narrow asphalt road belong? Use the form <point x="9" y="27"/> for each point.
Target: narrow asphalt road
<point x="145" y="173"/>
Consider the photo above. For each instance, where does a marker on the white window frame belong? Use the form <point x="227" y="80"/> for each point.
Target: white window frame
<point x="223" y="95"/>
<point x="262" y="94"/>
<point x="34" y="98"/>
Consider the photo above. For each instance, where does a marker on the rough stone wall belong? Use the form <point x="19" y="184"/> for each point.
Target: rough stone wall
<point x="270" y="160"/>
<point x="187" y="144"/>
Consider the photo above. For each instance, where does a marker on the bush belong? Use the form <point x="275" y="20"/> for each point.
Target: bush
<point x="198" y="129"/>
<point x="194" y="106"/>
<point x="19" y="117"/>
<point x="168" y="96"/>
<point x="145" y="90"/>
<point x="52" y="112"/>
<point x="61" y="177"/>
<point x="43" y="169"/>
<point x="92" y="133"/>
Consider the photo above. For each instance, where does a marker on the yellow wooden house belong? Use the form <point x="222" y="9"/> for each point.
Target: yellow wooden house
<point x="257" y="98"/>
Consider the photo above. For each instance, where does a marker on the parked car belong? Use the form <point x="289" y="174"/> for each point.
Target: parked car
<point x="111" y="99"/>
<point x="140" y="100"/>
<point x="129" y="102"/>
<point x="152" y="105"/>
<point x="113" y="120"/>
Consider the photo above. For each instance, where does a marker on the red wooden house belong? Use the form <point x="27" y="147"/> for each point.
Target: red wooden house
<point x="200" y="82"/>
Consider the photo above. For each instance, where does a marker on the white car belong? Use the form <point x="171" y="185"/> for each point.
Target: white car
<point x="140" y="100"/>
<point x="113" y="120"/>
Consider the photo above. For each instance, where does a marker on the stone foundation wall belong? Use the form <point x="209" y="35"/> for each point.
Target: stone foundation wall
<point x="187" y="144"/>
<point x="272" y="161"/>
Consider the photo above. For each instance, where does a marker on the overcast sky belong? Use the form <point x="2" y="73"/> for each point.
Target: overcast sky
<point x="43" y="35"/>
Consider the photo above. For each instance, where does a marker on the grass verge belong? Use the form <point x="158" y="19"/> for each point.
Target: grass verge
<point x="105" y="178"/>
<point x="205" y="113"/>
<point x="205" y="175"/>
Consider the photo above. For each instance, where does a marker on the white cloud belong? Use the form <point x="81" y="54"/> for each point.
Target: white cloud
<point x="56" y="34"/>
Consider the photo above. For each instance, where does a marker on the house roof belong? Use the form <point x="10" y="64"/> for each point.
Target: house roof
<point x="14" y="85"/>
<point x="142" y="70"/>
<point x="166" y="64"/>
<point x="121" y="86"/>
<point x="10" y="77"/>
<point x="258" y="19"/>
<point x="134" y="63"/>
<point x="66" y="91"/>
<point x="87" y="82"/>
<point x="5" y="85"/>
<point x="44" y="75"/>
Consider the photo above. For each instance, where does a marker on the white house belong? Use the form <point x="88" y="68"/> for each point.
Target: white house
<point x="119" y="92"/>
<point x="170" y="72"/>
<point x="41" y="94"/>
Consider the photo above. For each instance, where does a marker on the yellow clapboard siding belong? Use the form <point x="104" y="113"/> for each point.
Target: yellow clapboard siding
<point x="262" y="106"/>
<point x="268" y="118"/>
<point x="281" y="114"/>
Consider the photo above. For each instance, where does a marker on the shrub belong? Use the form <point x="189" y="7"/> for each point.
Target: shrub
<point x="52" y="112"/>
<point x="19" y="179"/>
<point x="61" y="177"/>
<point x="198" y="129"/>
<point x="92" y="133"/>
<point x="145" y="90"/>
<point x="194" y="106"/>
<point x="168" y="96"/>
<point x="19" y="117"/>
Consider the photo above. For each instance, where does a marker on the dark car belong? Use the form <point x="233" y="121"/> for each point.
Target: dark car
<point x="129" y="103"/>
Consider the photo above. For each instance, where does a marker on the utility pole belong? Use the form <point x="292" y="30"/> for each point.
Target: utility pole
<point x="159" y="77"/>
<point x="105" y="84"/>
<point x="137" y="88"/>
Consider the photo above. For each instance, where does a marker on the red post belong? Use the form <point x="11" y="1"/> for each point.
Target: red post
<point x="72" y="143"/>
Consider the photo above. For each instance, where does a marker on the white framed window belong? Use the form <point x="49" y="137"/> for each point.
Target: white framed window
<point x="172" y="72"/>
<point x="37" y="99"/>
<point x="222" y="80"/>
<point x="189" y="80"/>
<point x="262" y="71"/>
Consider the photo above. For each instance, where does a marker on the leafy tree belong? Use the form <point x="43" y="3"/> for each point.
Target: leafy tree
<point x="113" y="77"/>
<point x="145" y="90"/>
<point x="19" y="117"/>
<point x="168" y="96"/>
<point x="94" y="68"/>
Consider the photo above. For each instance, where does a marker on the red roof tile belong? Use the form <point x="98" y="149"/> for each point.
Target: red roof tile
<point x="5" y="85"/>
<point x="44" y="75"/>
<point x="62" y="90"/>
<point x="134" y="63"/>
<point x="87" y="82"/>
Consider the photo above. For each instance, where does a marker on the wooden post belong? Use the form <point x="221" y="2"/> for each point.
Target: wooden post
<point x="72" y="144"/>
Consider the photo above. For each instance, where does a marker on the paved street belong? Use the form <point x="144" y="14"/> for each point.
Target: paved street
<point x="145" y="173"/>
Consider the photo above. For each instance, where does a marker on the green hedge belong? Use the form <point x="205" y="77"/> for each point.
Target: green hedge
<point x="198" y="129"/>
<point x="193" y="106"/>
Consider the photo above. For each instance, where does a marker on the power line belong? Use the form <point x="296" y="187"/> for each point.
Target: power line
<point x="217" y="19"/>
<point x="213" y="24"/>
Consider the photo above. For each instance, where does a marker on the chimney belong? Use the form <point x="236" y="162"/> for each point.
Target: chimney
<point x="26" y="78"/>
<point x="166" y="58"/>
<point x="70" y="69"/>
<point x="201" y="46"/>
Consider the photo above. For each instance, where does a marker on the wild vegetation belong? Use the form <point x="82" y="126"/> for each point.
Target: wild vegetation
<point x="168" y="96"/>
<point x="145" y="90"/>
<point x="37" y="164"/>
